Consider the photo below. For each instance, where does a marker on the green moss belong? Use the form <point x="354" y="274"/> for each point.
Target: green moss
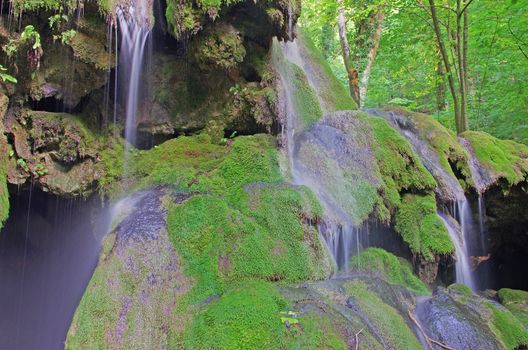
<point x="401" y="170"/>
<point x="391" y="325"/>
<point x="517" y="302"/>
<point x="501" y="158"/>
<point x="421" y="228"/>
<point x="509" y="331"/>
<point x="390" y="268"/>
<point x="221" y="47"/>
<point x="333" y="94"/>
<point x="305" y="100"/>
<point x="246" y="317"/>
<point x="451" y="154"/>
<point x="314" y="332"/>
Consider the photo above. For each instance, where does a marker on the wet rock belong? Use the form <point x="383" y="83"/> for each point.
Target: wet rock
<point x="132" y="297"/>
<point x="461" y="319"/>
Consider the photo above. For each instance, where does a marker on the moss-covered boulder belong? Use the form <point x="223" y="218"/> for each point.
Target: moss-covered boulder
<point x="234" y="228"/>
<point x="517" y="302"/>
<point x="438" y="148"/>
<point x="462" y="319"/>
<point x="500" y="160"/>
<point x="389" y="268"/>
<point x="362" y="311"/>
<point x="132" y="298"/>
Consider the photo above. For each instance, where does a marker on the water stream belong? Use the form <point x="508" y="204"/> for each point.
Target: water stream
<point x="134" y="34"/>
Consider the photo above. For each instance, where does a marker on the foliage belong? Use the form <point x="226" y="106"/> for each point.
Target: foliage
<point x="421" y="228"/>
<point x="406" y="65"/>
<point x="5" y="76"/>
<point x="30" y="34"/>
<point x="390" y="268"/>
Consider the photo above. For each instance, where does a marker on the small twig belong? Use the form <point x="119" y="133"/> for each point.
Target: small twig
<point x="428" y="340"/>
<point x="356" y="337"/>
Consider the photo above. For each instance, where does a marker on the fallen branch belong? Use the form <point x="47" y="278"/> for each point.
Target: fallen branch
<point x="428" y="340"/>
<point x="356" y="337"/>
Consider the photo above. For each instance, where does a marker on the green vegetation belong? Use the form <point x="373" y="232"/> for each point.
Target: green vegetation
<point x="251" y="221"/>
<point x="507" y="328"/>
<point x="391" y="325"/>
<point x="246" y="317"/>
<point x="501" y="158"/>
<point x="332" y="93"/>
<point x="408" y="67"/>
<point x="315" y="332"/>
<point x="421" y="228"/>
<point x="452" y="157"/>
<point x="517" y="302"/>
<point x="401" y="170"/>
<point x="390" y="268"/>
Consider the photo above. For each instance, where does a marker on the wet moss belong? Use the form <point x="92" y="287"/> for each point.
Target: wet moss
<point x="314" y="332"/>
<point x="400" y="168"/>
<point x="509" y="331"/>
<point x="517" y="302"/>
<point x="503" y="159"/>
<point x="421" y="228"/>
<point x="391" y="326"/>
<point x="452" y="157"/>
<point x="334" y="96"/>
<point x="220" y="47"/>
<point x="390" y="268"/>
<point x="305" y="100"/>
<point x="245" y="317"/>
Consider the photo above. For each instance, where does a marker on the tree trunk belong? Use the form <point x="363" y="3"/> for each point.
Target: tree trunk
<point x="376" y="39"/>
<point x="448" y="68"/>
<point x="465" y="63"/>
<point x="352" y="72"/>
<point x="462" y="84"/>
<point x="440" y="86"/>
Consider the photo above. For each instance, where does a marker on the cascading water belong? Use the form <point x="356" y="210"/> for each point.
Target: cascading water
<point x="462" y="266"/>
<point x="134" y="34"/>
<point x="449" y="190"/>
<point x="343" y="239"/>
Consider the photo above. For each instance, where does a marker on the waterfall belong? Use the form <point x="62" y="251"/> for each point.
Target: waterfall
<point x="134" y="34"/>
<point x="343" y="239"/>
<point x="449" y="190"/>
<point x="462" y="266"/>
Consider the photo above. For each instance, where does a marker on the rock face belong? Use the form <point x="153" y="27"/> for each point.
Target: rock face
<point x="463" y="320"/>
<point x="56" y="150"/>
<point x="136" y="285"/>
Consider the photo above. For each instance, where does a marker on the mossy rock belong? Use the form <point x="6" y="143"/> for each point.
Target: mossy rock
<point x="390" y="268"/>
<point x="332" y="94"/>
<point x="421" y="228"/>
<point x="4" y="163"/>
<point x="62" y="154"/>
<point x="517" y="302"/>
<point x="439" y="148"/>
<point x="462" y="319"/>
<point x="220" y="47"/>
<point x="501" y="159"/>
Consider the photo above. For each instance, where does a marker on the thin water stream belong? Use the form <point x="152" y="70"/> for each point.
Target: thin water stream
<point x="48" y="250"/>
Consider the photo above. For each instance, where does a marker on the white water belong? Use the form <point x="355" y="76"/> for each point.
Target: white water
<point x="134" y="34"/>
<point x="462" y="265"/>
